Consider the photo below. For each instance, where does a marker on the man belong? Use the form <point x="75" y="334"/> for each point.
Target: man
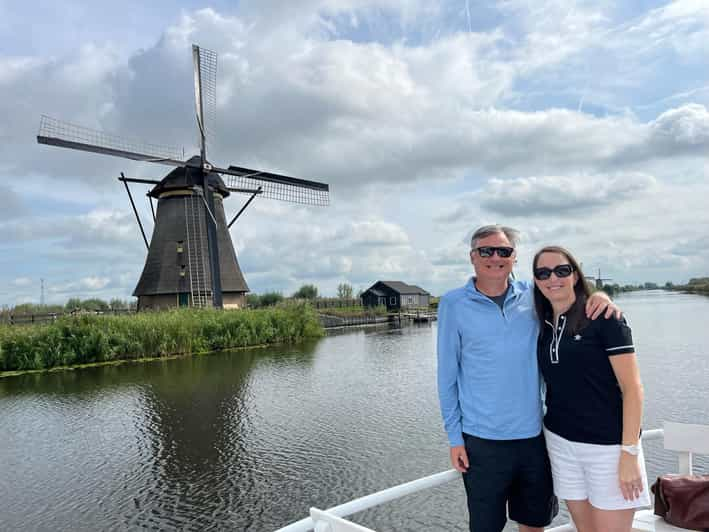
<point x="489" y="388"/>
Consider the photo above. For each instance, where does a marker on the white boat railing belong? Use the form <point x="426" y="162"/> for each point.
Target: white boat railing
<point x="408" y="488"/>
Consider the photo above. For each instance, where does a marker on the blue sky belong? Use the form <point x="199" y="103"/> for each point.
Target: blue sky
<point x="580" y="123"/>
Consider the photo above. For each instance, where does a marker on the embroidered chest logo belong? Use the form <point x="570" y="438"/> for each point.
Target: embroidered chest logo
<point x="578" y="337"/>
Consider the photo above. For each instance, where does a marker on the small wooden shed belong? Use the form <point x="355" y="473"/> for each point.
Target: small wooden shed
<point x="395" y="295"/>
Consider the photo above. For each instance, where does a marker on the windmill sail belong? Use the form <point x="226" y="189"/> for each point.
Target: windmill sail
<point x="66" y="135"/>
<point x="205" y="93"/>
<point x="277" y="186"/>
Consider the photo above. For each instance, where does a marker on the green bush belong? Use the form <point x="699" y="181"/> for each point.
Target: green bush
<point x="307" y="291"/>
<point x="90" y="338"/>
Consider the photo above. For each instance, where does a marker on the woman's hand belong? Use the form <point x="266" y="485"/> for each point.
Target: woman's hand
<point x="631" y="481"/>
<point x="599" y="303"/>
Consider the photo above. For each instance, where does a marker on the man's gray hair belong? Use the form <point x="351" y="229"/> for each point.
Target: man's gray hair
<point x="488" y="230"/>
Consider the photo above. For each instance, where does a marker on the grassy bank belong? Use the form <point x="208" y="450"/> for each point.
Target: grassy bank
<point x="88" y="339"/>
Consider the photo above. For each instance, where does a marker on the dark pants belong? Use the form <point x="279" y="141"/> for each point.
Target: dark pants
<point x="514" y="473"/>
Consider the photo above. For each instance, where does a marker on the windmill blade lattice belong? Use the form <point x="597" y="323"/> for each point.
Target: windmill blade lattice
<point x="205" y="65"/>
<point x="279" y="187"/>
<point x="67" y="135"/>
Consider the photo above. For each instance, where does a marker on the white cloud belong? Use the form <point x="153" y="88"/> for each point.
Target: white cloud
<point x="11" y="204"/>
<point x="83" y="231"/>
<point x="682" y="25"/>
<point x="413" y="110"/>
<point x="529" y="196"/>
<point x="94" y="283"/>
<point x="373" y="233"/>
<point x="12" y="69"/>
<point x="83" y="288"/>
<point x="682" y="129"/>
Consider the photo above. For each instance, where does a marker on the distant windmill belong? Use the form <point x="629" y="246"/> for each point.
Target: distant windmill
<point x="600" y="280"/>
<point x="191" y="259"/>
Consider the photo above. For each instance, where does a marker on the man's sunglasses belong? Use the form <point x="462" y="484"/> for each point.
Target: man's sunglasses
<point x="562" y="270"/>
<point x="489" y="251"/>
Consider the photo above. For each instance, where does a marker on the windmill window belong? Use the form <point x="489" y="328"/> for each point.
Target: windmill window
<point x="180" y="247"/>
<point x="392" y="300"/>
<point x="183" y="271"/>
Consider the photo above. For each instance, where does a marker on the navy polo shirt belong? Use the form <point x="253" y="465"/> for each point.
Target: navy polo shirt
<point x="583" y="398"/>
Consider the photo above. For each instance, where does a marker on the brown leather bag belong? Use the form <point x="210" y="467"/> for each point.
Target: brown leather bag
<point x="683" y="500"/>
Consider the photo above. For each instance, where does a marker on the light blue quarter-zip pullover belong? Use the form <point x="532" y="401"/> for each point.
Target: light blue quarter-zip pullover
<point x="488" y="379"/>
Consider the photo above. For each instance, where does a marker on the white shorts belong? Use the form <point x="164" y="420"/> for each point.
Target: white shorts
<point x="590" y="471"/>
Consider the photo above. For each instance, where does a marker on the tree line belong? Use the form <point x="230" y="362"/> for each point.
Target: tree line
<point x="695" y="285"/>
<point x="267" y="299"/>
<point x="306" y="291"/>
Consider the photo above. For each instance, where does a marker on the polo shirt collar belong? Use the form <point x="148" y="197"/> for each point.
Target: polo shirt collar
<point x="513" y="290"/>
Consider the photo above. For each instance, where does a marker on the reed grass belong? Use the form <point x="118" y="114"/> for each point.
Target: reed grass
<point x="87" y="339"/>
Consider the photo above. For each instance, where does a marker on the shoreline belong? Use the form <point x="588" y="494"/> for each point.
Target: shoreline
<point x="138" y="360"/>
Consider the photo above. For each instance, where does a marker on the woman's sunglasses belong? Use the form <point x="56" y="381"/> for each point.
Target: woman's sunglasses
<point x="562" y="270"/>
<point x="489" y="251"/>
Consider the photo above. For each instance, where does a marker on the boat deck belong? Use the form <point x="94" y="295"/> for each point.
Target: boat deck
<point x="685" y="439"/>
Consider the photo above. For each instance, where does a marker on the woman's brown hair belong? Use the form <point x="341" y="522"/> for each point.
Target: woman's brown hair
<point x="576" y="316"/>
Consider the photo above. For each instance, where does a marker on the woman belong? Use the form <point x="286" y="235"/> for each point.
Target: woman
<point x="593" y="397"/>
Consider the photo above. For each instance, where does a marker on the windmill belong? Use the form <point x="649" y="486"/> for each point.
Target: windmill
<point x="191" y="259"/>
<point x="601" y="280"/>
<point x="598" y="280"/>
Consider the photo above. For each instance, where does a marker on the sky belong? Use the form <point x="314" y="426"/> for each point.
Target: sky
<point x="579" y="123"/>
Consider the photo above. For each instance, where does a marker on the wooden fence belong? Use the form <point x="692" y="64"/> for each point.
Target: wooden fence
<point x="329" y="322"/>
<point x="30" y="319"/>
<point x="335" y="302"/>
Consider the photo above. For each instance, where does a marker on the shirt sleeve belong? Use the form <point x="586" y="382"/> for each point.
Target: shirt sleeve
<point x="448" y="347"/>
<point x="616" y="336"/>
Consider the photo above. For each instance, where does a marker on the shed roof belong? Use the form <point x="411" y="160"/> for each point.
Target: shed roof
<point x="420" y="290"/>
<point x="403" y="288"/>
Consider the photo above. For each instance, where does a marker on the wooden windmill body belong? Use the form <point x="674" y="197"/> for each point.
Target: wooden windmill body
<point x="191" y="259"/>
<point x="177" y="270"/>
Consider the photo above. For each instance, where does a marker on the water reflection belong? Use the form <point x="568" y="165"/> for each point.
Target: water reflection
<point x="199" y="421"/>
<point x="182" y="428"/>
<point x="160" y="444"/>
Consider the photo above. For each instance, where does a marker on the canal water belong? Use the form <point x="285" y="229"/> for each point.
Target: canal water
<point x="249" y="440"/>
